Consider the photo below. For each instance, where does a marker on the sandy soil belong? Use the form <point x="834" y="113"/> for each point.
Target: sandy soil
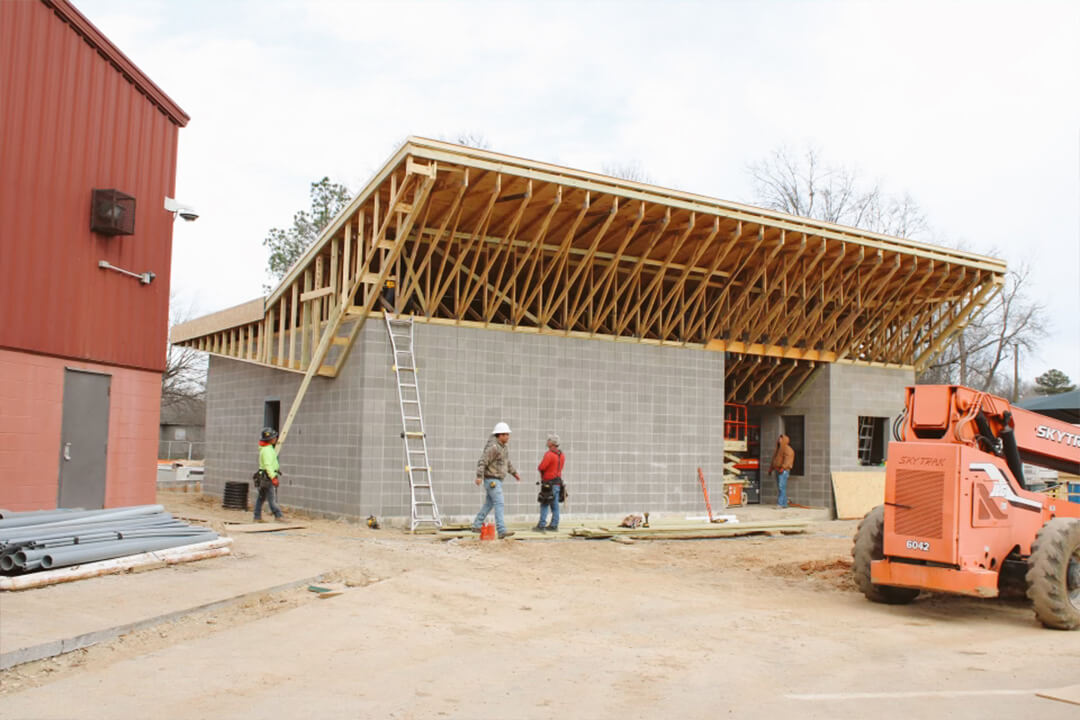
<point x="758" y="627"/>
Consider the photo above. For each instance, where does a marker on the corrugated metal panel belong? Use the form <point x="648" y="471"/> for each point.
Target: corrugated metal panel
<point x="71" y="122"/>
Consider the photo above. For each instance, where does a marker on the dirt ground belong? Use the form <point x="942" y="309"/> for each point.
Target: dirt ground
<point x="756" y="627"/>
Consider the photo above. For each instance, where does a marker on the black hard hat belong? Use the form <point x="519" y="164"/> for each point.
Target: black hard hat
<point x="268" y="433"/>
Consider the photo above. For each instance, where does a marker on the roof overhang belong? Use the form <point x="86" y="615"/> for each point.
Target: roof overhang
<point x="478" y="238"/>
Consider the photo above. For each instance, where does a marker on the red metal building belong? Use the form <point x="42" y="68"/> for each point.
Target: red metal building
<point x="82" y="343"/>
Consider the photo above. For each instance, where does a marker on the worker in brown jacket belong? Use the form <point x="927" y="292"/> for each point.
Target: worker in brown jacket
<point x="782" y="462"/>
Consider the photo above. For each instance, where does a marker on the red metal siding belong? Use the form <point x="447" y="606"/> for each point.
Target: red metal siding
<point x="71" y="122"/>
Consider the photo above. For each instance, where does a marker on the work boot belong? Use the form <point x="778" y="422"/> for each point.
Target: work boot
<point x="539" y="528"/>
<point x="280" y="518"/>
<point x="474" y="529"/>
<point x="506" y="534"/>
<point x="259" y="520"/>
<point x="552" y="528"/>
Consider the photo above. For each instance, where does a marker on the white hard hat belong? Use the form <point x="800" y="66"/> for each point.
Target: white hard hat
<point x="501" y="428"/>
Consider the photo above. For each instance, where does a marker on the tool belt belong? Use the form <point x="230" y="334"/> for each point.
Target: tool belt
<point x="262" y="480"/>
<point x="547" y="491"/>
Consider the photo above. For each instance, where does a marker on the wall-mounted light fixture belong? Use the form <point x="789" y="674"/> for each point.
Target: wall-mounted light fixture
<point x="112" y="212"/>
<point x="145" y="278"/>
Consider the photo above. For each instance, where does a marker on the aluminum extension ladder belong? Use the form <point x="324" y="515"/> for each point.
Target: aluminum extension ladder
<point x="417" y="461"/>
<point x="866" y="439"/>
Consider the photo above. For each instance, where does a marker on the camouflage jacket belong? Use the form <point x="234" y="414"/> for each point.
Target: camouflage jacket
<point x="495" y="461"/>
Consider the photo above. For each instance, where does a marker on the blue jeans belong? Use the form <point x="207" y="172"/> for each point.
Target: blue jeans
<point x="781" y="482"/>
<point x="493" y="498"/>
<point x="555" y="488"/>
<point x="270" y="495"/>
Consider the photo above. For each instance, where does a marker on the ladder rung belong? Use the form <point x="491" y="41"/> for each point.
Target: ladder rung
<point x="414" y="434"/>
<point x="408" y="384"/>
<point x="413" y="417"/>
<point x="414" y="402"/>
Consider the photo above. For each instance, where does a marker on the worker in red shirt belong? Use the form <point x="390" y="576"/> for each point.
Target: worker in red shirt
<point x="551" y="485"/>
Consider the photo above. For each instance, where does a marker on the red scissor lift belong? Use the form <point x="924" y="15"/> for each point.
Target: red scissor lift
<point x="736" y="429"/>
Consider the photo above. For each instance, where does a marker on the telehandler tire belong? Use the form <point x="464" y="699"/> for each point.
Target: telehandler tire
<point x="1053" y="579"/>
<point x="869" y="541"/>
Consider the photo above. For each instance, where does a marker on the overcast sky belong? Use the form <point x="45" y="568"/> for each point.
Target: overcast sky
<point x="973" y="108"/>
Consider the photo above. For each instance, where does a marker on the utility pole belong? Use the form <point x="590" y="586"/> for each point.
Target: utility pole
<point x="1016" y="372"/>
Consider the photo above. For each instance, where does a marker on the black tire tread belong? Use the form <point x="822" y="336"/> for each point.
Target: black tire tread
<point x="869" y="543"/>
<point x="1047" y="578"/>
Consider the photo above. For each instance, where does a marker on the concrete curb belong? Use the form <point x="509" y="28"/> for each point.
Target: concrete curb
<point x="66" y="645"/>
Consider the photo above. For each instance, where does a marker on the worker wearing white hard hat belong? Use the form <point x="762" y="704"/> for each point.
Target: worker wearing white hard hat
<point x="492" y="468"/>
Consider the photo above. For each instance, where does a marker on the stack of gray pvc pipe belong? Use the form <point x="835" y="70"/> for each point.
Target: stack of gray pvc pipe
<point x="47" y="539"/>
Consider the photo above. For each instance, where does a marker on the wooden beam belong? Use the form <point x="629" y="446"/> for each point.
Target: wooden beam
<point x="986" y="293"/>
<point x="609" y="273"/>
<point x="533" y="254"/>
<point x="563" y="293"/>
<point x="680" y="284"/>
<point x="314" y="366"/>
<point x="718" y="307"/>
<point x="560" y="257"/>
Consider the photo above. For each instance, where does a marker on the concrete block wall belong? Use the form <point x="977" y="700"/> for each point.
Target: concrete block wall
<point x="862" y="391"/>
<point x="636" y="421"/>
<point x="831" y="404"/>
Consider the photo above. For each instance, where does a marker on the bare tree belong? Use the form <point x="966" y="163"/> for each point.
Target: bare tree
<point x="471" y="138"/>
<point x="632" y="171"/>
<point x="184" y="379"/>
<point x="983" y="352"/>
<point x="804" y="184"/>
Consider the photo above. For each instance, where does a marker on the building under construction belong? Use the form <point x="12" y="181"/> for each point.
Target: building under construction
<point x="621" y="315"/>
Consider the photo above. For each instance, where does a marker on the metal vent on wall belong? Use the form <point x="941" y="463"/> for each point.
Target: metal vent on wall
<point x="112" y="213"/>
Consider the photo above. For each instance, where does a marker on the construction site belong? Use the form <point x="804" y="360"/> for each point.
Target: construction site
<point x="763" y="514"/>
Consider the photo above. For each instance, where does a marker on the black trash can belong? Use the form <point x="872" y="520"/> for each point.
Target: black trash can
<point x="236" y="496"/>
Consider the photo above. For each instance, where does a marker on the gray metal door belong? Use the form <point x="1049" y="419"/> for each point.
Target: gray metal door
<point x="84" y="440"/>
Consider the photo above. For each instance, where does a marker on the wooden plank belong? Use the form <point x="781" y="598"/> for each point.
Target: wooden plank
<point x="305" y="325"/>
<point x="262" y="527"/>
<point x="281" y="332"/>
<point x="333" y="301"/>
<point x="292" y="323"/>
<point x="857" y="493"/>
<point x="315" y="294"/>
<point x="1069" y="694"/>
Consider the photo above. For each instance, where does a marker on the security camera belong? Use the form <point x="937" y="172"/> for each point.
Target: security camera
<point x="185" y="212"/>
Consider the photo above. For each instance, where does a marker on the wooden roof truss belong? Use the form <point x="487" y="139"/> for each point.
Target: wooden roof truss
<point x="477" y="239"/>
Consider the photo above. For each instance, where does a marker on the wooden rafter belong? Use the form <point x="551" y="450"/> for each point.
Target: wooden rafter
<point x="499" y="241"/>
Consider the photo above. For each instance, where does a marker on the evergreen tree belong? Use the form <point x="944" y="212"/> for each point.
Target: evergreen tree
<point x="286" y="245"/>
<point x="1053" y="382"/>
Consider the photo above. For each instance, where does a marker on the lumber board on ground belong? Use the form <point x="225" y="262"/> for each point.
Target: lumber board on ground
<point x="857" y="493"/>
<point x="262" y="527"/>
<point x="1069" y="694"/>
<point x="693" y="532"/>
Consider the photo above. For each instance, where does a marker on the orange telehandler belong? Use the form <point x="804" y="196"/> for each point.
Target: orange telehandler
<point x="958" y="516"/>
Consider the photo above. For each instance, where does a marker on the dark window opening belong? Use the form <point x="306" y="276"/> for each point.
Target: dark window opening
<point x="272" y="414"/>
<point x="872" y="439"/>
<point x="793" y="428"/>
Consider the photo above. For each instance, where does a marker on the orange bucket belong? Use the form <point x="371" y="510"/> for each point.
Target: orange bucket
<point x="734" y="494"/>
<point x="487" y="532"/>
